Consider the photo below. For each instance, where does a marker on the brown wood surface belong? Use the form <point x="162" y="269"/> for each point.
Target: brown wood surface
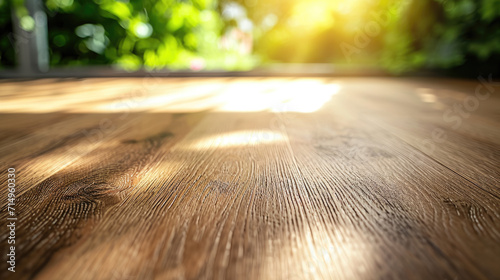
<point x="251" y="178"/>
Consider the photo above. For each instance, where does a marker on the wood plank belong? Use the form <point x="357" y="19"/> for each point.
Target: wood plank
<point x="254" y="179"/>
<point x="420" y="208"/>
<point x="471" y="149"/>
<point x="62" y="138"/>
<point x="60" y="209"/>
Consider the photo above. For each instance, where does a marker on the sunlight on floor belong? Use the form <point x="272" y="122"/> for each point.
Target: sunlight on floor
<point x="238" y="139"/>
<point x="426" y="95"/>
<point x="323" y="256"/>
<point x="301" y="95"/>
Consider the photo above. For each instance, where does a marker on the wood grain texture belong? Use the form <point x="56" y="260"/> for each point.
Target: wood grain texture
<point x="250" y="178"/>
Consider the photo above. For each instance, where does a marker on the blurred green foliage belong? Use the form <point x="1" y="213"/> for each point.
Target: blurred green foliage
<point x="154" y="34"/>
<point x="463" y="35"/>
<point x="132" y="34"/>
<point x="400" y="35"/>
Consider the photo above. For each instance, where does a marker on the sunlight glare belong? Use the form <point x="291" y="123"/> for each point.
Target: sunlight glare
<point x="245" y="95"/>
<point x="240" y="138"/>
<point x="303" y="96"/>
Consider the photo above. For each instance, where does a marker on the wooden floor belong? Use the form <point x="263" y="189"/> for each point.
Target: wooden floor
<point x="252" y="178"/>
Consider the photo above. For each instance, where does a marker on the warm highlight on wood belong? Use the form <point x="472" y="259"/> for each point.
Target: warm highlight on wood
<point x="252" y="178"/>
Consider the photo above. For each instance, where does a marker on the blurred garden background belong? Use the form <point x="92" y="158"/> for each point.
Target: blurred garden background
<point x="456" y="37"/>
